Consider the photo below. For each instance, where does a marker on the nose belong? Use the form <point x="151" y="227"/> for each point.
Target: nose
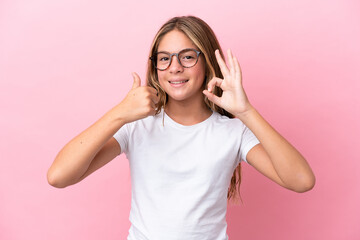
<point x="175" y="65"/>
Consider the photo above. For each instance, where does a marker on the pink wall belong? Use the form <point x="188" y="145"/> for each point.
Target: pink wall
<point x="65" y="63"/>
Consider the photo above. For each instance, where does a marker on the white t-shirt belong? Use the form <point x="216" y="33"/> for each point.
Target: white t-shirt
<point x="180" y="175"/>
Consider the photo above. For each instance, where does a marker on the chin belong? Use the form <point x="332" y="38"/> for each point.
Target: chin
<point x="177" y="97"/>
<point x="186" y="96"/>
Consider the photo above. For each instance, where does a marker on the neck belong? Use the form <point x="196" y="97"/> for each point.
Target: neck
<point x="187" y="112"/>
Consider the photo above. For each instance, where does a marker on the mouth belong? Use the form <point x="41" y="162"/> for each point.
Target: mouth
<point x="178" y="82"/>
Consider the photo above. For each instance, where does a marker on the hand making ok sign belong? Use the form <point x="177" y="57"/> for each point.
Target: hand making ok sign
<point x="233" y="99"/>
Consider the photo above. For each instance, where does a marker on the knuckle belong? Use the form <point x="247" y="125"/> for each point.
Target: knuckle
<point x="148" y="101"/>
<point x="149" y="108"/>
<point x="147" y="94"/>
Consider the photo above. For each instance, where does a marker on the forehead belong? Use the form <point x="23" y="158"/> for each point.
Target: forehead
<point x="175" y="41"/>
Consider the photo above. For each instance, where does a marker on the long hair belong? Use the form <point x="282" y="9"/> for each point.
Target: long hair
<point x="200" y="33"/>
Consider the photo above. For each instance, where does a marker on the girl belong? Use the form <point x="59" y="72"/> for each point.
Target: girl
<point x="184" y="134"/>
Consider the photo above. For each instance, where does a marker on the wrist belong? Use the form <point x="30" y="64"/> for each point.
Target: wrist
<point x="117" y="116"/>
<point x="246" y="114"/>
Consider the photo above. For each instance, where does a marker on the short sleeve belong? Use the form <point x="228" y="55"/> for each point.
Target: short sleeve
<point x="122" y="137"/>
<point x="248" y="141"/>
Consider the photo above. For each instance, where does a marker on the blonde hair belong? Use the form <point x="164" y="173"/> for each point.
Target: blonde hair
<point x="200" y="33"/>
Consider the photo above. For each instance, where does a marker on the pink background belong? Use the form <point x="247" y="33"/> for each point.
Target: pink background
<point x="65" y="63"/>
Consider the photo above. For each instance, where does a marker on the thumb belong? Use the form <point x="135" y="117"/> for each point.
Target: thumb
<point x="137" y="80"/>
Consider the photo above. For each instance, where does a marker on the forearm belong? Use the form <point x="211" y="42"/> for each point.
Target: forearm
<point x="73" y="161"/>
<point x="289" y="164"/>
<point x="75" y="157"/>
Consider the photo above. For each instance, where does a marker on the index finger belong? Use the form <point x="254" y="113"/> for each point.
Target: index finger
<point x="151" y="93"/>
<point x="152" y="90"/>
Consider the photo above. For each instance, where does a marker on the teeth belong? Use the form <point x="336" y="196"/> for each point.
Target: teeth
<point x="178" y="82"/>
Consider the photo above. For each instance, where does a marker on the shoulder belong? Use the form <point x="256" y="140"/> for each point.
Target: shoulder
<point x="137" y="129"/>
<point x="222" y="120"/>
<point x="149" y="123"/>
<point x="224" y="126"/>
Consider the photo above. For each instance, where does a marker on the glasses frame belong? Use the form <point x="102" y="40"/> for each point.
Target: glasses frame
<point x="153" y="58"/>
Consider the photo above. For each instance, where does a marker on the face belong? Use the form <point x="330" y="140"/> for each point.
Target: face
<point x="181" y="84"/>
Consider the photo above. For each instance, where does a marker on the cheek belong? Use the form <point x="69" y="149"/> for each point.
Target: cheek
<point x="201" y="68"/>
<point x="160" y="75"/>
<point x="200" y="73"/>
<point x="161" y="79"/>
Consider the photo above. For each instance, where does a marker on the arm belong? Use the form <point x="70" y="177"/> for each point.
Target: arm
<point x="274" y="157"/>
<point x="95" y="146"/>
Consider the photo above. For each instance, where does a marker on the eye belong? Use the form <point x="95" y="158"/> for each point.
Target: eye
<point x="188" y="57"/>
<point x="164" y="59"/>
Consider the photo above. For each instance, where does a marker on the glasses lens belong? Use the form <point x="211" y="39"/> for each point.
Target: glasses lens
<point x="188" y="57"/>
<point x="162" y="60"/>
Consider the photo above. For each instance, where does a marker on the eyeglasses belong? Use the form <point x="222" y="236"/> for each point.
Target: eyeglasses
<point x="187" y="58"/>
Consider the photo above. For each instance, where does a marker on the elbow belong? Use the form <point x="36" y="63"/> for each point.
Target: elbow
<point x="54" y="180"/>
<point x="305" y="185"/>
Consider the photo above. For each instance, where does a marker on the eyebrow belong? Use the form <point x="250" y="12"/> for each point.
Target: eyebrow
<point x="178" y="51"/>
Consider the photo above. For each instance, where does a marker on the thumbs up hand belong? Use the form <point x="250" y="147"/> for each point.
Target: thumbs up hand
<point x="140" y="102"/>
<point x="137" y="81"/>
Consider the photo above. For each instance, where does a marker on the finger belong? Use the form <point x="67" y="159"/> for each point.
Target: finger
<point x="214" y="82"/>
<point x="238" y="73"/>
<point x="137" y="80"/>
<point x="222" y="64"/>
<point x="153" y="109"/>
<point x="152" y="90"/>
<point x="153" y="94"/>
<point x="153" y="105"/>
<point x="231" y="62"/>
<point x="212" y="97"/>
<point x="155" y="99"/>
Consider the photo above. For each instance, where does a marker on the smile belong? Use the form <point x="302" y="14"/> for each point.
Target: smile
<point x="178" y="82"/>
